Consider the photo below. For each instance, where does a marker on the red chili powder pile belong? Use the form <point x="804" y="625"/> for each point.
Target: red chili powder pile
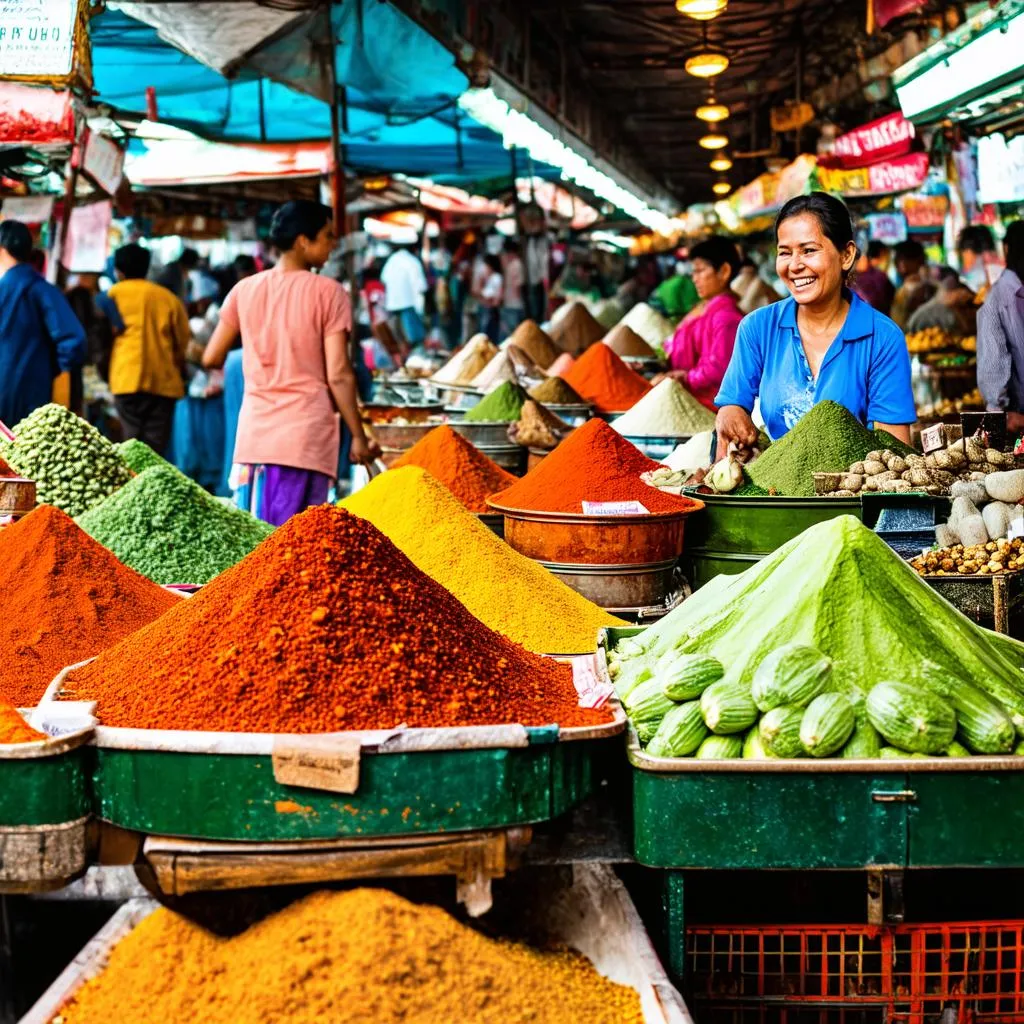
<point x="14" y="728"/>
<point x="593" y="463"/>
<point x="604" y="380"/>
<point x="461" y="467"/>
<point x="325" y="627"/>
<point x="65" y="597"/>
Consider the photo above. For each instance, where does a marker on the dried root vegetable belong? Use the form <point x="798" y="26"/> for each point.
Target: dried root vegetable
<point x="991" y="558"/>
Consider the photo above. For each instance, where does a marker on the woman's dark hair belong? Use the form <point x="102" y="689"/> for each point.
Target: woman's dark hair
<point x="718" y="251"/>
<point x="132" y="261"/>
<point x="301" y="218"/>
<point x="16" y="239"/>
<point x="832" y="215"/>
<point x="1013" y="243"/>
<point x="494" y="262"/>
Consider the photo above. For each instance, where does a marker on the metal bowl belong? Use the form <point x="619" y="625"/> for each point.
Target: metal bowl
<point x="575" y="414"/>
<point x="657" y="446"/>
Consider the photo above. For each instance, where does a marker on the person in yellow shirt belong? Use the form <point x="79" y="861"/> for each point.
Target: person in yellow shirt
<point x="148" y="358"/>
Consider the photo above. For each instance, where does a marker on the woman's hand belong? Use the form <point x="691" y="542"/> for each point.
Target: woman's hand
<point x="734" y="425"/>
<point x="679" y="375"/>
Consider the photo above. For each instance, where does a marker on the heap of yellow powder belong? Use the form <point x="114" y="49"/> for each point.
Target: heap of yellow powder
<point x="503" y="589"/>
<point x="361" y="956"/>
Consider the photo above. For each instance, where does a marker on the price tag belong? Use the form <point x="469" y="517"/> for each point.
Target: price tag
<point x="318" y="762"/>
<point x="614" y="508"/>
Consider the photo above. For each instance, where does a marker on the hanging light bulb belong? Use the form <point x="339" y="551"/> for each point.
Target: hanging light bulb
<point x="711" y="110"/>
<point x="701" y="10"/>
<point x="707" y="60"/>
<point x="721" y="163"/>
<point x="714" y="140"/>
<point x="721" y="188"/>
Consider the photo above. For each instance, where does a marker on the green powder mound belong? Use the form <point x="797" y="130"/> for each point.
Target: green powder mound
<point x="73" y="465"/>
<point x="829" y="439"/>
<point x="502" y="405"/>
<point x="749" y="490"/>
<point x="840" y="588"/>
<point x="168" y="528"/>
<point x="139" y="455"/>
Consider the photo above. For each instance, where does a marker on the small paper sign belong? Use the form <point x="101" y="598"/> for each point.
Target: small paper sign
<point x="614" y="508"/>
<point x="318" y="762"/>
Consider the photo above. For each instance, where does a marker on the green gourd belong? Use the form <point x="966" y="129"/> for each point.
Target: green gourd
<point x="911" y="718"/>
<point x="681" y="732"/>
<point x="984" y="726"/>
<point x="791" y="674"/>
<point x="728" y="708"/>
<point x="720" y="748"/>
<point x="753" y="748"/>
<point x="827" y="724"/>
<point x="779" y="730"/>
<point x="686" y="676"/>
<point x="864" y="742"/>
<point x="646" y="706"/>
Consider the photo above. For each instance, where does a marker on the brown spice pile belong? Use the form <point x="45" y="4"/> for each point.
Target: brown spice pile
<point x="576" y="330"/>
<point x="365" y="956"/>
<point x="624" y="341"/>
<point x="535" y="343"/>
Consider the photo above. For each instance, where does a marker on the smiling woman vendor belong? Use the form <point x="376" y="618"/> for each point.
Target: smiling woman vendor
<point x="823" y="343"/>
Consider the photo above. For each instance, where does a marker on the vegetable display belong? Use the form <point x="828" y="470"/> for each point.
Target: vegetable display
<point x="829" y="647"/>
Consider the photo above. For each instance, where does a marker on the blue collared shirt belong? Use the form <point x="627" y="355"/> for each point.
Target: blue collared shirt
<point x="866" y="368"/>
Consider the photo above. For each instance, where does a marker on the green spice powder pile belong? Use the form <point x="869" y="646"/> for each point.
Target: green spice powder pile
<point x="502" y="405"/>
<point x="829" y="439"/>
<point x="73" y="464"/>
<point x="139" y="455"/>
<point x="168" y="528"/>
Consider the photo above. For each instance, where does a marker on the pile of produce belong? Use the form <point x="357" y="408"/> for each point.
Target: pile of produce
<point x="139" y="456"/>
<point x="593" y="464"/>
<point x="73" y="465"/>
<point x="827" y="440"/>
<point x="555" y="391"/>
<point x="669" y="409"/>
<point x="461" y="467"/>
<point x="470" y="360"/>
<point x="972" y="401"/>
<point x="538" y="428"/>
<point x="14" y="728"/>
<point x="575" y="330"/>
<point x="168" y="528"/>
<point x="365" y="954"/>
<point x="502" y="405"/>
<point x="605" y="381"/>
<point x="511" y="594"/>
<point x="64" y="599"/>
<point x="931" y="339"/>
<point x="325" y="627"/>
<point x="963" y="462"/>
<point x="990" y="558"/>
<point x="830" y="646"/>
<point x="500" y="369"/>
<point x="529" y="338"/>
<point x="624" y="341"/>
<point x="649" y="324"/>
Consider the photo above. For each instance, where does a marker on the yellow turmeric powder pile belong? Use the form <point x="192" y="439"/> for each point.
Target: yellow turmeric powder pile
<point x="503" y="589"/>
<point x="14" y="728"/>
<point x="361" y="957"/>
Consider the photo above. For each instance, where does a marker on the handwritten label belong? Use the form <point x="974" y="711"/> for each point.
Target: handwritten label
<point x="103" y="162"/>
<point x="318" y="762"/>
<point x="37" y="37"/>
<point x="614" y="508"/>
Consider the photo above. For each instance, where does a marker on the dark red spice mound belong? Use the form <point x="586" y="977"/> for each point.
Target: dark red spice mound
<point x="65" y="598"/>
<point x="325" y="627"/>
<point x="594" y="463"/>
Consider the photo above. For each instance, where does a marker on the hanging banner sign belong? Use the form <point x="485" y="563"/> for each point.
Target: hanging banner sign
<point x="38" y="39"/>
<point x="902" y="175"/>
<point x="103" y="162"/>
<point x="925" y="212"/>
<point x="888" y="228"/>
<point x="888" y="137"/>
<point x="34" y="116"/>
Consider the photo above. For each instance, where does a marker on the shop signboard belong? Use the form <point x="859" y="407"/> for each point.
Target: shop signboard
<point x="1000" y="169"/>
<point x="925" y="213"/>
<point x="882" y="139"/>
<point x="887" y="228"/>
<point x="103" y="162"/>
<point x="38" y="39"/>
<point x="34" y="116"/>
<point x="901" y="175"/>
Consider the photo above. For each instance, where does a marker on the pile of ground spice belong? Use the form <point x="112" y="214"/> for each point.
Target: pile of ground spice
<point x="555" y="391"/>
<point x="561" y="365"/>
<point x="461" y="467"/>
<point x="467" y="362"/>
<point x="829" y="439"/>
<point x="593" y="463"/>
<point x="502" y="405"/>
<point x="576" y="329"/>
<point x="649" y="324"/>
<point x="365" y="955"/>
<point x="501" y="368"/>
<point x="538" y="427"/>
<point x="624" y="341"/>
<point x="514" y="595"/>
<point x="64" y="598"/>
<point x="669" y="409"/>
<point x="326" y="627"/>
<point x="605" y="381"/>
<point x="139" y="456"/>
<point x="14" y="728"/>
<point x="535" y="343"/>
<point x="167" y="527"/>
<point x="73" y="465"/>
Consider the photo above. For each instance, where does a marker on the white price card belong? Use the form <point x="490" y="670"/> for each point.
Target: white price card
<point x="614" y="508"/>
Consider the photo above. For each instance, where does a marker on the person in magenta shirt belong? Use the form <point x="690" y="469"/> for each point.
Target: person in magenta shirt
<point x="299" y="380"/>
<point x="700" y="350"/>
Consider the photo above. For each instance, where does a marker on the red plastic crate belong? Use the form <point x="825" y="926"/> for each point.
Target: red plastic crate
<point x="858" y="974"/>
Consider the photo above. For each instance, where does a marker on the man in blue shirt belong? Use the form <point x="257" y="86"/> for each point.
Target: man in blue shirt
<point x="40" y="337"/>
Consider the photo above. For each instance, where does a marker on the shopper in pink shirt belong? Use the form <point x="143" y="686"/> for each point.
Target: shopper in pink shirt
<point x="299" y="381"/>
<point x="701" y="348"/>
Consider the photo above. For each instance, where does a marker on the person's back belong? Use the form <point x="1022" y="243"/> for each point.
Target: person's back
<point x="39" y="334"/>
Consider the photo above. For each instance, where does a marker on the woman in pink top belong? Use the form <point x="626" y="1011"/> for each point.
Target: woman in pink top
<point x="295" y="328"/>
<point x="701" y="348"/>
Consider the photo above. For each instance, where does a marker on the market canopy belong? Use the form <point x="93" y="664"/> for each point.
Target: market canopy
<point x="400" y="92"/>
